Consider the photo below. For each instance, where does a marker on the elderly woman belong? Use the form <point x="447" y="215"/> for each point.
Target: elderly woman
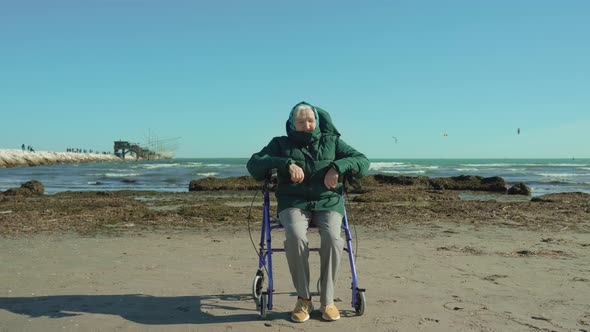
<point x="310" y="161"/>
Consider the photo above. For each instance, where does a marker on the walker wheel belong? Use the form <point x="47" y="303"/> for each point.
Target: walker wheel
<point x="359" y="308"/>
<point x="257" y="287"/>
<point x="263" y="304"/>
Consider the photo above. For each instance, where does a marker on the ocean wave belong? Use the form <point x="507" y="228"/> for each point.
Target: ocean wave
<point x="562" y="175"/>
<point x="379" y="166"/>
<point x="524" y="165"/>
<point x="155" y="166"/>
<point x="405" y="172"/>
<point x="208" y="174"/>
<point x="472" y="169"/>
<point x="487" y="165"/>
<point x="566" y="165"/>
<point x="118" y="175"/>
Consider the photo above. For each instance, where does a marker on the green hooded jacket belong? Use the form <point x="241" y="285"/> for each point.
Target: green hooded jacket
<point x="315" y="153"/>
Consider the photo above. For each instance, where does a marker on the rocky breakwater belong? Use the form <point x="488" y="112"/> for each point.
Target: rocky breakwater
<point x="13" y="158"/>
<point x="460" y="183"/>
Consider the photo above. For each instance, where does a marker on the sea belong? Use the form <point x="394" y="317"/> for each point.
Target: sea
<point x="174" y="175"/>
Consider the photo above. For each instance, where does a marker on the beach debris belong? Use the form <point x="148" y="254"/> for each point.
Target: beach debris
<point x="6" y="212"/>
<point x="541" y="318"/>
<point x="541" y="200"/>
<point x="493" y="277"/>
<point x="237" y="183"/>
<point x="524" y="252"/>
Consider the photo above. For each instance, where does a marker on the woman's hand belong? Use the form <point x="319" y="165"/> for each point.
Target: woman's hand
<point x="296" y="172"/>
<point x="331" y="179"/>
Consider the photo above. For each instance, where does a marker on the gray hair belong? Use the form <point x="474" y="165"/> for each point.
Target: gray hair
<point x="300" y="108"/>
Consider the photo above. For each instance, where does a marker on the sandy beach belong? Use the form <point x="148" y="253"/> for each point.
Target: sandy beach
<point x="429" y="277"/>
<point x="13" y="158"/>
<point x="146" y="261"/>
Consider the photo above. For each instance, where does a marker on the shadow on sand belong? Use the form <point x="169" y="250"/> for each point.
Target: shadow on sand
<point x="139" y="308"/>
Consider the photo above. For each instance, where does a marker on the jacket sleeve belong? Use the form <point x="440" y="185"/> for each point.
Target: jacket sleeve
<point x="265" y="160"/>
<point x="350" y="160"/>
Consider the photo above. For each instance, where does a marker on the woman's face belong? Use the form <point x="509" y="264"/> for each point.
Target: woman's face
<point x="305" y="121"/>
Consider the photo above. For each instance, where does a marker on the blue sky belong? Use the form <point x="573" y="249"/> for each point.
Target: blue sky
<point x="223" y="75"/>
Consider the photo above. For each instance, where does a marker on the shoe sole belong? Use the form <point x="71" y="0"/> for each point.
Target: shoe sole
<point x="306" y="318"/>
<point x="330" y="319"/>
<point x="300" y="321"/>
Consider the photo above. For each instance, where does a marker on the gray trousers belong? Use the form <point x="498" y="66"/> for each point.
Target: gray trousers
<point x="295" y="222"/>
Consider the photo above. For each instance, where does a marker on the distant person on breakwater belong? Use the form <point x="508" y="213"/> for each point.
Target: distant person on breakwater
<point x="309" y="161"/>
<point x="23" y="147"/>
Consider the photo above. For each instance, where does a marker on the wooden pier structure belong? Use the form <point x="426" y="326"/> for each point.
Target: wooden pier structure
<point x="123" y="148"/>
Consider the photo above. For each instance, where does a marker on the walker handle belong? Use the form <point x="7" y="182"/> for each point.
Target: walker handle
<point x="270" y="180"/>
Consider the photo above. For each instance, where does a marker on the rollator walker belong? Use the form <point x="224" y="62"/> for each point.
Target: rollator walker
<point x="264" y="299"/>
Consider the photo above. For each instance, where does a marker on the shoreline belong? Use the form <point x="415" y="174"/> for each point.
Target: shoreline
<point x="14" y="158"/>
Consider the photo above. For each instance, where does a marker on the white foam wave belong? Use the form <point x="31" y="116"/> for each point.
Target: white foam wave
<point x="119" y="175"/>
<point x="562" y="175"/>
<point x="208" y="174"/>
<point x="380" y="166"/>
<point x="486" y="165"/>
<point x="522" y="165"/>
<point x="405" y="172"/>
<point x="469" y="169"/>
<point x="156" y="166"/>
<point x="566" y="165"/>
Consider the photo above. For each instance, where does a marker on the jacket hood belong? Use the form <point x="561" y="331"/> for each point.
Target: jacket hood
<point x="323" y="119"/>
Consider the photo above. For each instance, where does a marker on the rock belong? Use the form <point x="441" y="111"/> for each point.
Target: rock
<point x="34" y="186"/>
<point x="470" y="182"/>
<point x="519" y="189"/>
<point x="462" y="182"/>
<point x="29" y="188"/>
<point x="402" y="180"/>
<point x="18" y="192"/>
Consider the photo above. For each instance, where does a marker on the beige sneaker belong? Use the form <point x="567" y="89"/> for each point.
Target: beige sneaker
<point x="330" y="312"/>
<point x="302" y="309"/>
